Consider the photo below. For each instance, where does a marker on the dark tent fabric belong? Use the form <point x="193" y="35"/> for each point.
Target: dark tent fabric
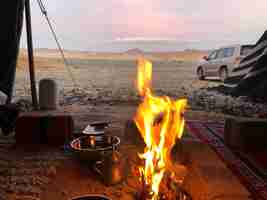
<point x="11" y="19"/>
<point x="254" y="83"/>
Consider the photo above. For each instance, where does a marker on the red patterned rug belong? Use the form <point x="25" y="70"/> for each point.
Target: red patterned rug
<point x="250" y="168"/>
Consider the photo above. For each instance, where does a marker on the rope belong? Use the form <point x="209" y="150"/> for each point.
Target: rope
<point x="44" y="12"/>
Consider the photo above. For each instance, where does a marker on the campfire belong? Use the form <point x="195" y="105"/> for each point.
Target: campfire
<point x="160" y="120"/>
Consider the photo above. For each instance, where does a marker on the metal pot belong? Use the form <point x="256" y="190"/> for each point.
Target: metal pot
<point x="92" y="197"/>
<point x="88" y="149"/>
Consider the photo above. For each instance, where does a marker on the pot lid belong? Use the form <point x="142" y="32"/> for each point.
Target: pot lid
<point x="96" y="128"/>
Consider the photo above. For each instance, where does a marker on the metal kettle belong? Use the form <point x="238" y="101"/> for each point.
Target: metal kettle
<point x="113" y="168"/>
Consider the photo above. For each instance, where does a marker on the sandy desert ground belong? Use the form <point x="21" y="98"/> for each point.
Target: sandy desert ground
<point x="110" y="74"/>
<point x="110" y="78"/>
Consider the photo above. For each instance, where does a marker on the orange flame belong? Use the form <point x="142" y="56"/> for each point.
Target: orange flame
<point x="160" y="121"/>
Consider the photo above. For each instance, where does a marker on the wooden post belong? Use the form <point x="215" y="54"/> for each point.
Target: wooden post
<point x="30" y="54"/>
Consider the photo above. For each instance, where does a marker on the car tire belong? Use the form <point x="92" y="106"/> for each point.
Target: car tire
<point x="223" y="74"/>
<point x="200" y="73"/>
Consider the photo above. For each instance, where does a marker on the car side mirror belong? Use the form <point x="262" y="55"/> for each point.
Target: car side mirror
<point x="205" y="58"/>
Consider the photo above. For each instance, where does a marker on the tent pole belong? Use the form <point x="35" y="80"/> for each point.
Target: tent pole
<point x="30" y="54"/>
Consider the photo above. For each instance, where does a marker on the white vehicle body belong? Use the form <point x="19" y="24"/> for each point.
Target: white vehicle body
<point x="221" y="62"/>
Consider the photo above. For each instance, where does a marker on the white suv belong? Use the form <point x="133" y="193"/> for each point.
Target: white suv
<point x="221" y="62"/>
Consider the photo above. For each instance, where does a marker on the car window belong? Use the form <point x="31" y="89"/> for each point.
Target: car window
<point x="228" y="52"/>
<point x="213" y="55"/>
<point x="220" y="53"/>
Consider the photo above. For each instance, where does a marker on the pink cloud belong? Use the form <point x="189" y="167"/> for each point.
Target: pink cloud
<point x="80" y="22"/>
<point x="189" y="21"/>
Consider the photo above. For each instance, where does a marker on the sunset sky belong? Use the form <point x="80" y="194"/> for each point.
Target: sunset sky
<point x="151" y="25"/>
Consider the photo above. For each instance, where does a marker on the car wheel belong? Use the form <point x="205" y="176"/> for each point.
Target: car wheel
<point x="223" y="74"/>
<point x="200" y="73"/>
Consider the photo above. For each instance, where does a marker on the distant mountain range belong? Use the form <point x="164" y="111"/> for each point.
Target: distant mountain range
<point x="134" y="51"/>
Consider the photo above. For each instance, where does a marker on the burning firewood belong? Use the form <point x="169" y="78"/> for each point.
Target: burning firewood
<point x="160" y="121"/>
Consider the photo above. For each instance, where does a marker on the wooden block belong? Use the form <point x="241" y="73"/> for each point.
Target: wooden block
<point x="246" y="134"/>
<point x="52" y="128"/>
<point x="27" y="130"/>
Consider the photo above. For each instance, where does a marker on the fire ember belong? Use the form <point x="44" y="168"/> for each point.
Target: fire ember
<point x="160" y="121"/>
<point x="169" y="189"/>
